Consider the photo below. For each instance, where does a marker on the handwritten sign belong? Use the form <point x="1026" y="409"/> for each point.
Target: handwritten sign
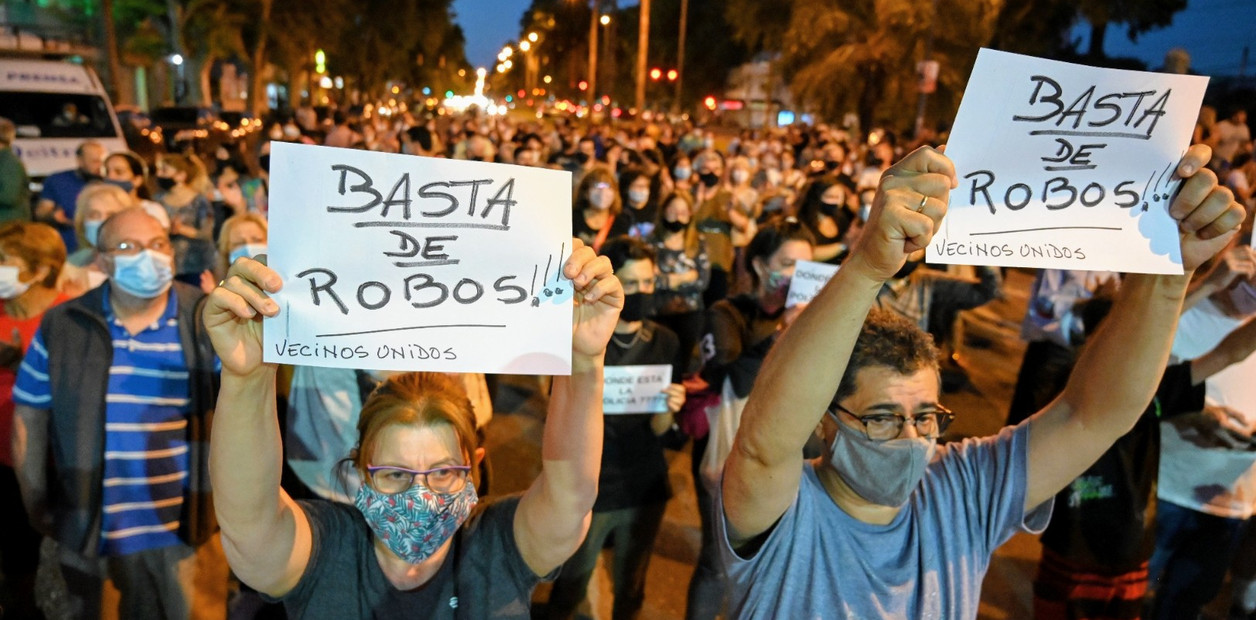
<point x="1067" y="167"/>
<point x="397" y="262"/>
<point x="809" y="278"/>
<point x="635" y="389"/>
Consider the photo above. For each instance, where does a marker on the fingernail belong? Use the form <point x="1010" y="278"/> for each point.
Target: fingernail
<point x="272" y="306"/>
<point x="1188" y="169"/>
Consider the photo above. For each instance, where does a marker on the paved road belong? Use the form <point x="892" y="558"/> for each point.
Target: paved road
<point x="991" y="352"/>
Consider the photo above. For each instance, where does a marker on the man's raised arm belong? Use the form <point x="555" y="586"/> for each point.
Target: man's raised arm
<point x="801" y="374"/>
<point x="1117" y="372"/>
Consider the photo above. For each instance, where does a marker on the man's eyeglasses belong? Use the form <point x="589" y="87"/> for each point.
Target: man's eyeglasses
<point x="887" y="426"/>
<point x="131" y="247"/>
<point x="392" y="480"/>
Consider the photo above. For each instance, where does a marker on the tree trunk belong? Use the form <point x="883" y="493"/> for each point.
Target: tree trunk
<point x="116" y="92"/>
<point x="1098" y="31"/>
<point x="257" y="79"/>
<point x="871" y="97"/>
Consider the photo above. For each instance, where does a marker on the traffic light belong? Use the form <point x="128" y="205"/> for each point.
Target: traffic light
<point x="583" y="85"/>
<point x="656" y="73"/>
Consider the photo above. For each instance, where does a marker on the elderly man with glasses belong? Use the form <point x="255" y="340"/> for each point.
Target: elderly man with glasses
<point x="110" y="437"/>
<point x="887" y="524"/>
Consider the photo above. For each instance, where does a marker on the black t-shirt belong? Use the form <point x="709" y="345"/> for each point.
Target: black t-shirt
<point x="581" y="230"/>
<point x="634" y="471"/>
<point x="1101" y="522"/>
<point x="484" y="575"/>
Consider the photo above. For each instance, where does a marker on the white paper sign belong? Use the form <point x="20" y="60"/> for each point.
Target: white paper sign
<point x="809" y="278"/>
<point x="398" y="262"/>
<point x="635" y="389"/>
<point x="1067" y="167"/>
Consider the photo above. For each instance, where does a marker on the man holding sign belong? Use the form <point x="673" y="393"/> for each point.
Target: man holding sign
<point x="411" y="543"/>
<point x="887" y="524"/>
<point x="633" y="486"/>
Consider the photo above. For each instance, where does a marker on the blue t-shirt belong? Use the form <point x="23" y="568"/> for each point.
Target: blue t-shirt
<point x="819" y="562"/>
<point x="63" y="188"/>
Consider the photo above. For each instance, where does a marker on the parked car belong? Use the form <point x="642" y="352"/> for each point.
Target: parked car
<point x="185" y="126"/>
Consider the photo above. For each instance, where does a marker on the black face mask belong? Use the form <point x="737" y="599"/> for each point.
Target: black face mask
<point x="637" y="306"/>
<point x="263" y="162"/>
<point x="829" y="209"/>
<point x="582" y="158"/>
<point x="831" y="165"/>
<point x="709" y="179"/>
<point x="674" y="227"/>
<point x="166" y="183"/>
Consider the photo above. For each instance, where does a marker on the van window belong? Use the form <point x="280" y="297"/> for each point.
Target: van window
<point x="57" y="115"/>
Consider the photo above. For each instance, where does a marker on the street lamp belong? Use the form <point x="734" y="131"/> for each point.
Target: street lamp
<point x="532" y="36"/>
<point x="605" y="20"/>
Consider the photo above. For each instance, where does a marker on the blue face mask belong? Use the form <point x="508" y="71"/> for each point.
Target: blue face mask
<point x="91" y="231"/>
<point x="145" y="275"/>
<point x="248" y="250"/>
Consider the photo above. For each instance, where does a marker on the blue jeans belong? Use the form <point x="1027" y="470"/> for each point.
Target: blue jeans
<point x="1193" y="552"/>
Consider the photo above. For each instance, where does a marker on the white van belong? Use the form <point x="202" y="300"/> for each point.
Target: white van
<point x="56" y="105"/>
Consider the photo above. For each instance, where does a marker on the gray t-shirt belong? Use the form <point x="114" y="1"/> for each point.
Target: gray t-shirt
<point x="484" y="575"/>
<point x="819" y="562"/>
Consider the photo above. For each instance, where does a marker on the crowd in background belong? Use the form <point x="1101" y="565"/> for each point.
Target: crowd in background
<point x="704" y="229"/>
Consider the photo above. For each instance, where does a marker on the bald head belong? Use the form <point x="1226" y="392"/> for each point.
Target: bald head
<point x="91" y="157"/>
<point x="131" y="224"/>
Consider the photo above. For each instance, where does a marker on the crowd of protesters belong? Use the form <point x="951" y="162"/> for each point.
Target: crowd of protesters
<point x="128" y="292"/>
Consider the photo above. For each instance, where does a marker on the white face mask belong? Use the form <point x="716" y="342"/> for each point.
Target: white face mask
<point x="91" y="230"/>
<point x="601" y="200"/>
<point x="11" y="285"/>
<point x="248" y="250"/>
<point x="740" y="176"/>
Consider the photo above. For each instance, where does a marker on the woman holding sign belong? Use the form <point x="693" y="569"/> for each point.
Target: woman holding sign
<point x="416" y="452"/>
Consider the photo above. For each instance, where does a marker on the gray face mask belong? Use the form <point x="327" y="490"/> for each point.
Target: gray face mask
<point x="882" y="472"/>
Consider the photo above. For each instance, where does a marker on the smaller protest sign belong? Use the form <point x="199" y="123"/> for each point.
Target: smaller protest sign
<point x="635" y="389"/>
<point x="1065" y="166"/>
<point x="809" y="278"/>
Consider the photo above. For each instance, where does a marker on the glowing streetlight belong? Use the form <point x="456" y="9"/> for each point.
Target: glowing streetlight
<point x="524" y="46"/>
<point x="547" y="79"/>
<point x="606" y="19"/>
<point x="481" y="72"/>
<point x="532" y="36"/>
<point x="176" y="59"/>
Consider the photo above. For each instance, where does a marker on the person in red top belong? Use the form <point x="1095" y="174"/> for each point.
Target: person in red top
<point x="31" y="257"/>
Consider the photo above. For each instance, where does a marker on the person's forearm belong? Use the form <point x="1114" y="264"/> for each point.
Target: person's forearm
<point x="245" y="458"/>
<point x="801" y="373"/>
<point x="1236" y="347"/>
<point x="30" y="457"/>
<point x="571" y="445"/>
<point x="1118" y="371"/>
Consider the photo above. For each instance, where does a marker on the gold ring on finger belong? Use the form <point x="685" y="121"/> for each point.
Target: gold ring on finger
<point x="923" y="200"/>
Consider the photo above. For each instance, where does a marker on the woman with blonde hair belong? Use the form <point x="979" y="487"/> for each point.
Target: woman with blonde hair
<point x="94" y="205"/>
<point x="242" y="235"/>
<point x="416" y="539"/>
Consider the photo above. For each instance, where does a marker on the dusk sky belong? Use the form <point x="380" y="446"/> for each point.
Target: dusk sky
<point x="1214" y="32"/>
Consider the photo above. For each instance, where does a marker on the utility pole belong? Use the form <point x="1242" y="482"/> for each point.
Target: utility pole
<point x="643" y="44"/>
<point x="680" y="56"/>
<point x="593" y="26"/>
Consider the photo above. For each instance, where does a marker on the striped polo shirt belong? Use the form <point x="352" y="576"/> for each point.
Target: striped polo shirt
<point x="146" y="448"/>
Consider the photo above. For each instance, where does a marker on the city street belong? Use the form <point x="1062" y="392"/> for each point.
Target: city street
<point x="991" y="353"/>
